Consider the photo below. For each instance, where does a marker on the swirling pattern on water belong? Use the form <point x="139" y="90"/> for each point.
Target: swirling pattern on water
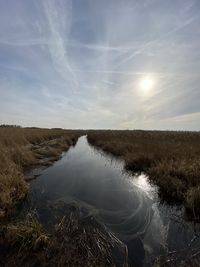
<point x="97" y="182"/>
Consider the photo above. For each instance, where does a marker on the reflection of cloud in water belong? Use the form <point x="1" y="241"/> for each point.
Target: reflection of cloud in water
<point x="138" y="216"/>
<point x="155" y="238"/>
<point x="96" y="181"/>
<point x="131" y="218"/>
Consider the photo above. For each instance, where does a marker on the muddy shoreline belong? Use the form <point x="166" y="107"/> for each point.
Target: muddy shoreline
<point x="46" y="153"/>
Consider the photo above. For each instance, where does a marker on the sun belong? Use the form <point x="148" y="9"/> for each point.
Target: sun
<point x="146" y="84"/>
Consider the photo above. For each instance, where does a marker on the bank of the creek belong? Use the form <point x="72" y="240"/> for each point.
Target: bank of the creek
<point x="127" y="205"/>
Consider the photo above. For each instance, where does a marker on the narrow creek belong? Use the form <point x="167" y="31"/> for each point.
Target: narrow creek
<point x="127" y="205"/>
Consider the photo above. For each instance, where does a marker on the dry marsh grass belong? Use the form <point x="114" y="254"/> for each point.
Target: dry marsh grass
<point x="171" y="159"/>
<point x="21" y="148"/>
<point x="73" y="241"/>
<point x="23" y="235"/>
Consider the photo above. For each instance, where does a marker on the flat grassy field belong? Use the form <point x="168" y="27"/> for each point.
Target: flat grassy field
<point x="171" y="160"/>
<point x="21" y="149"/>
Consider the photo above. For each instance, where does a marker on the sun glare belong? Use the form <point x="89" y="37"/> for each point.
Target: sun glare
<point x="146" y="84"/>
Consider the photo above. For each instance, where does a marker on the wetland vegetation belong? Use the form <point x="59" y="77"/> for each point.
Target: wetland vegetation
<point x="171" y="159"/>
<point x="72" y="241"/>
<point x="86" y="211"/>
<point x="22" y="149"/>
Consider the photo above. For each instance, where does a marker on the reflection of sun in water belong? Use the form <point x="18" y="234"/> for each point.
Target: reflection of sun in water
<point x="141" y="181"/>
<point x="146" y="84"/>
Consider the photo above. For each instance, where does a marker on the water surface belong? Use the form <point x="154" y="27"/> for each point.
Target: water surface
<point x="128" y="205"/>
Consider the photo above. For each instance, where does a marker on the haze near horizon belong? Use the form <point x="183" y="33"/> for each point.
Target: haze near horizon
<point x="117" y="64"/>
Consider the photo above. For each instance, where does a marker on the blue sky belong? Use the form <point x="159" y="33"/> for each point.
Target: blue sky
<point x="82" y="63"/>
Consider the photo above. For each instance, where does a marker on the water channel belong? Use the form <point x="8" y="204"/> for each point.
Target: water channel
<point x="127" y="205"/>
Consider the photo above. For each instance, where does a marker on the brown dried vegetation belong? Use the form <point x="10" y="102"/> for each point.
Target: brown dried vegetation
<point x="171" y="159"/>
<point x="73" y="241"/>
<point x="22" y="148"/>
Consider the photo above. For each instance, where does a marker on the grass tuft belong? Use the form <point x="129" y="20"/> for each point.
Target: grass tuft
<point x="24" y="235"/>
<point x="193" y="201"/>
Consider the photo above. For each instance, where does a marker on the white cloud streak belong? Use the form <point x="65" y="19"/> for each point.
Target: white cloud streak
<point x="78" y="64"/>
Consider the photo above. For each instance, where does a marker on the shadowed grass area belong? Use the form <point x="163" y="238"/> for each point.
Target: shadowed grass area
<point x="23" y="235"/>
<point x="73" y="241"/>
<point x="23" y="148"/>
<point x="171" y="159"/>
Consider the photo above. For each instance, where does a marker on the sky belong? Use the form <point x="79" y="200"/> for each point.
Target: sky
<point x="117" y="64"/>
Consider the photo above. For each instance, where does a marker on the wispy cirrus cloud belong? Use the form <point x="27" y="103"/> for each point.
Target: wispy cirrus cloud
<point x="79" y="64"/>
